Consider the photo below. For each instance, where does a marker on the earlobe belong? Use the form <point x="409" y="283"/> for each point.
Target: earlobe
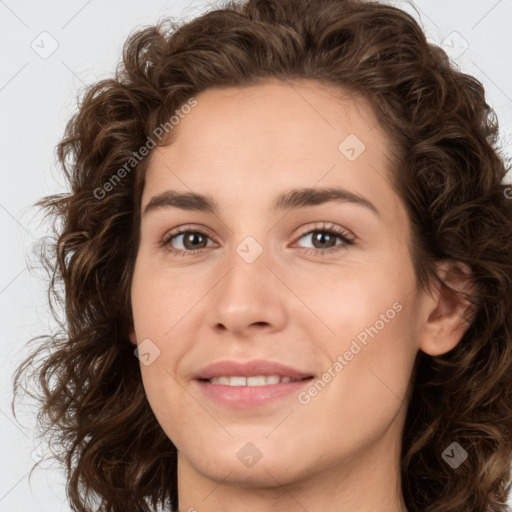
<point x="132" y="336"/>
<point x="444" y="314"/>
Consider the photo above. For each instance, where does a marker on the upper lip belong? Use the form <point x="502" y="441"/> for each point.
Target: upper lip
<point x="249" y="369"/>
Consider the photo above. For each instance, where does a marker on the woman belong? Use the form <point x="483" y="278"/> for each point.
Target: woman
<point x="293" y="213"/>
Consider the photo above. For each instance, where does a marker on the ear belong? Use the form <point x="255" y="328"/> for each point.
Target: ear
<point x="444" y="316"/>
<point x="131" y="335"/>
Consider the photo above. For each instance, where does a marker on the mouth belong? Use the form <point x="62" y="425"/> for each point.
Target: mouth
<point x="256" y="380"/>
<point x="257" y="372"/>
<point x="250" y="384"/>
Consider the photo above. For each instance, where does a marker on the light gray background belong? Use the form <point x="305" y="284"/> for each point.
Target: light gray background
<point x="37" y="96"/>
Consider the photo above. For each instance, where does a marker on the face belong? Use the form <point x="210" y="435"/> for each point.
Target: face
<point x="301" y="306"/>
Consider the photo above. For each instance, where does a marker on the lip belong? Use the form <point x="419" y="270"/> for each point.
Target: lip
<point x="250" y="396"/>
<point x="250" y="369"/>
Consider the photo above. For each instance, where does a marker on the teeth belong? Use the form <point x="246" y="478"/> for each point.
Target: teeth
<point x="255" y="381"/>
<point x="258" y="380"/>
<point x="237" y="381"/>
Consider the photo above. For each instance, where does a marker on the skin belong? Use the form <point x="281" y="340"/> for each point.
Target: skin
<point x="340" y="451"/>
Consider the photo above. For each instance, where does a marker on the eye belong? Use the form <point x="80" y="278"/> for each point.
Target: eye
<point x="324" y="239"/>
<point x="190" y="240"/>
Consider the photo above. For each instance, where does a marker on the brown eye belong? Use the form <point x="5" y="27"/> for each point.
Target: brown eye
<point x="323" y="239"/>
<point x="194" y="240"/>
<point x="326" y="239"/>
<point x="185" y="241"/>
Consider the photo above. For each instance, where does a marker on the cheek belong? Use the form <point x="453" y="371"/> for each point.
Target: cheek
<point x="353" y="304"/>
<point x="161" y="299"/>
<point x="371" y="346"/>
<point x="364" y="386"/>
<point x="165" y="305"/>
<point x="177" y="413"/>
<point x="375" y="346"/>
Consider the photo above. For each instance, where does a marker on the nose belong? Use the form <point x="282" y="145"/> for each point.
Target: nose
<point x="249" y="299"/>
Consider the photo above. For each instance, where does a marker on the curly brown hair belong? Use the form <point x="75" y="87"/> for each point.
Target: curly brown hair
<point x="449" y="171"/>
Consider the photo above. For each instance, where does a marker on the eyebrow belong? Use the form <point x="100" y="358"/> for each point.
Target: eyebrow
<point x="295" y="198"/>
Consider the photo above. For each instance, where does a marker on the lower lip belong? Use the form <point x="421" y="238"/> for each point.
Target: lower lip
<point x="250" y="396"/>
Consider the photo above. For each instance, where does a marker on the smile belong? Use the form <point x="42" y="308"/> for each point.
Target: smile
<point x="257" y="380"/>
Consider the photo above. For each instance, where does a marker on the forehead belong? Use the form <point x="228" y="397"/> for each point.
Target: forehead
<point x="280" y="114"/>
<point x="270" y="137"/>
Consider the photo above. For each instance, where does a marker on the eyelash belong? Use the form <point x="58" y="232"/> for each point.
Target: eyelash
<point x="346" y="238"/>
